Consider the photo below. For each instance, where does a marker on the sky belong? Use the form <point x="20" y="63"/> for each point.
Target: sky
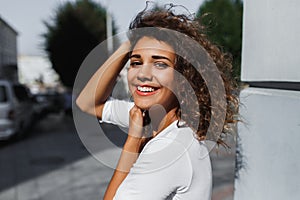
<point x="27" y="17"/>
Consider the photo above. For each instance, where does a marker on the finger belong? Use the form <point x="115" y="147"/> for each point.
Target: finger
<point x="135" y="110"/>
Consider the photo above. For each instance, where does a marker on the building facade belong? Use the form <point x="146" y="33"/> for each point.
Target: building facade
<point x="270" y="106"/>
<point x="8" y="52"/>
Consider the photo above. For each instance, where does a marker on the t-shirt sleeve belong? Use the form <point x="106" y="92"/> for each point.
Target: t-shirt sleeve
<point x="117" y="112"/>
<point x="161" y="170"/>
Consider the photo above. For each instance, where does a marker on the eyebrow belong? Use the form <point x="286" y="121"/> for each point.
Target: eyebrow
<point x="160" y="57"/>
<point x="154" y="57"/>
<point x="135" y="56"/>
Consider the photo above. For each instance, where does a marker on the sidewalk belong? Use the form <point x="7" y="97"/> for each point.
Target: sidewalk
<point x="223" y="164"/>
<point x="224" y="192"/>
<point x="54" y="165"/>
<point x="84" y="179"/>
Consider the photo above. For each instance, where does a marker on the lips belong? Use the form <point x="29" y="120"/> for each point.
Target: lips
<point x="146" y="90"/>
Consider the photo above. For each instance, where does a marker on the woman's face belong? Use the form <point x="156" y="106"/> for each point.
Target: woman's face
<point x="151" y="74"/>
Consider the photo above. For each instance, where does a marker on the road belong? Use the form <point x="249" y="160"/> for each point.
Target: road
<point x="51" y="163"/>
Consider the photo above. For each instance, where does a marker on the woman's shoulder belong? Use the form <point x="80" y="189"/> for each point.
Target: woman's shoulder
<point x="163" y="154"/>
<point x="173" y="145"/>
<point x="118" y="103"/>
<point x="176" y="144"/>
<point x="116" y="112"/>
<point x="175" y="137"/>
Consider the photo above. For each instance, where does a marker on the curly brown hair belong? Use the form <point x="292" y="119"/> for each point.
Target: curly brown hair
<point x="206" y="68"/>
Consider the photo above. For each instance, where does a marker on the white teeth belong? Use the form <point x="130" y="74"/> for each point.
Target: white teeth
<point x="145" y="89"/>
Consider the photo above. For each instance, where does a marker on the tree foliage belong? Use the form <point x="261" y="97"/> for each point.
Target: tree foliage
<point x="75" y="30"/>
<point x="223" y="19"/>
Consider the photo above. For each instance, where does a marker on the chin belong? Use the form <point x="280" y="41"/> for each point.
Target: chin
<point x="142" y="105"/>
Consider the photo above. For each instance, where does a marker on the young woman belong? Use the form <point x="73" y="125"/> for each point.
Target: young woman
<point x="165" y="154"/>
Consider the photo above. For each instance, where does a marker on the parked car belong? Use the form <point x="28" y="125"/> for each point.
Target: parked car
<point x="16" y="109"/>
<point x="47" y="103"/>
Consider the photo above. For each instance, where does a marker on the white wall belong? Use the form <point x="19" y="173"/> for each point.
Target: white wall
<point x="271" y="40"/>
<point x="271" y="145"/>
<point x="270" y="133"/>
<point x="32" y="68"/>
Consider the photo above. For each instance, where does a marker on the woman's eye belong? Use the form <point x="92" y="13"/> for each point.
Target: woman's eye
<point x="135" y="63"/>
<point x="161" y="65"/>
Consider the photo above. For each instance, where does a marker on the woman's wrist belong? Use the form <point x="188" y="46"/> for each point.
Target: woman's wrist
<point x="133" y="144"/>
<point x="124" y="47"/>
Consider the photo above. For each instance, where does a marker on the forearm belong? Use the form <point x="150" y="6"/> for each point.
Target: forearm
<point x="100" y="86"/>
<point x="128" y="157"/>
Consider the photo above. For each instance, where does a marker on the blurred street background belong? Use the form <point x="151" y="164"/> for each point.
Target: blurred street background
<point x="42" y="47"/>
<point x="52" y="163"/>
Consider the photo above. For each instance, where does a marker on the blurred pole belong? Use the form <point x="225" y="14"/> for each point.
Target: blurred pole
<point x="109" y="30"/>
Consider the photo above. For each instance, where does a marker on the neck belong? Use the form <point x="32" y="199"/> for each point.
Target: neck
<point x="160" y="119"/>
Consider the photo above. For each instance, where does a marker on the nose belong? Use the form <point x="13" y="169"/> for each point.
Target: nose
<point x="145" y="73"/>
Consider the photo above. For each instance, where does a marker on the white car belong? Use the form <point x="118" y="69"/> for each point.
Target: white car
<point x="16" y="109"/>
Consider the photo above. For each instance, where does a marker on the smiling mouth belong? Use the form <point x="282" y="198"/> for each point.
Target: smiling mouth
<point x="146" y="90"/>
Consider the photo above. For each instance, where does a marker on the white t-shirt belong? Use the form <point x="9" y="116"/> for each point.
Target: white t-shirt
<point x="172" y="165"/>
